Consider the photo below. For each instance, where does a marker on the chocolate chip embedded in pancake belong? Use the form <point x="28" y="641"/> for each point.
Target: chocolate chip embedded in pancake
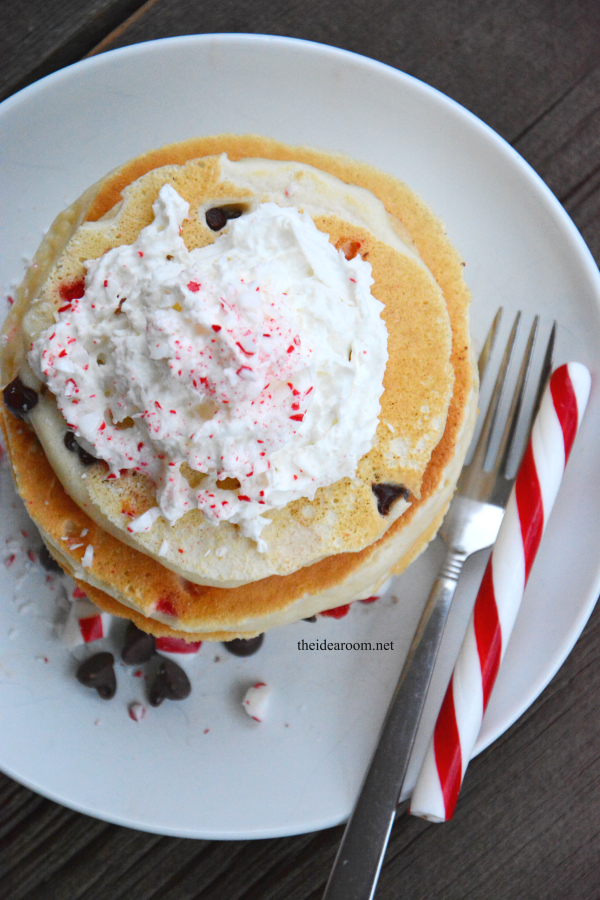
<point x="387" y="494"/>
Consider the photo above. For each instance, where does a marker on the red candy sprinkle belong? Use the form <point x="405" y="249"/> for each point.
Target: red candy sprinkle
<point x="193" y="286"/>
<point x="78" y="594"/>
<point x="165" y="606"/>
<point x="369" y="600"/>
<point x="298" y="417"/>
<point x="91" y="629"/>
<point x="337" y="612"/>
<point x="177" y="645"/>
<point x="72" y="291"/>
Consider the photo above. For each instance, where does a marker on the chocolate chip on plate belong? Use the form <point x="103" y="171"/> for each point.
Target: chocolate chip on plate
<point x="386" y="494"/>
<point x="244" y="646"/>
<point x="98" y="672"/>
<point x="18" y="398"/>
<point x="71" y="444"/>
<point x="48" y="561"/>
<point x="170" y="683"/>
<point x="139" y="647"/>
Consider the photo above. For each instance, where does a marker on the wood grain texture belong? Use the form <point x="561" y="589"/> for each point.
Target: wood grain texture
<point x="563" y="146"/>
<point x="39" y="38"/>
<point x="528" y="819"/>
<point x="506" y="61"/>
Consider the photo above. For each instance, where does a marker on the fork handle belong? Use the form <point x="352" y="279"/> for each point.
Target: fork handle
<point x="360" y="856"/>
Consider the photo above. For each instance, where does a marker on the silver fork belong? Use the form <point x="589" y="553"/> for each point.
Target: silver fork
<point x="471" y="524"/>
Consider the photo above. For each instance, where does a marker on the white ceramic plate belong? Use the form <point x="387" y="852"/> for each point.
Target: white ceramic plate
<point x="301" y="769"/>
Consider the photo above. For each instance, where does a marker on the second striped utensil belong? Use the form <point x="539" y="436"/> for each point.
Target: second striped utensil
<point x="499" y="597"/>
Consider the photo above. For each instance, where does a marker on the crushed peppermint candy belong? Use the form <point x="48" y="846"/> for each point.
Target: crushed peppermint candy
<point x="258" y="358"/>
<point x="88" y="557"/>
<point x="256" y="701"/>
<point x="85" y="623"/>
<point x="136" y="711"/>
<point x="145" y="521"/>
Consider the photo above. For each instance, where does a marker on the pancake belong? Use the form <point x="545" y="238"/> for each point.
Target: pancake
<point x="343" y="546"/>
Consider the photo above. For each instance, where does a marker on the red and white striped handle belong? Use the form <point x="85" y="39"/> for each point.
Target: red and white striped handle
<point x="497" y="604"/>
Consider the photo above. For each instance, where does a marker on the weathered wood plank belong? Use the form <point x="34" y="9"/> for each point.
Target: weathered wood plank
<point x="564" y="143"/>
<point x="16" y="804"/>
<point x="102" y="861"/>
<point x="162" y="864"/>
<point x="563" y="147"/>
<point x="507" y="61"/>
<point x="38" y="38"/>
<point x="51" y="837"/>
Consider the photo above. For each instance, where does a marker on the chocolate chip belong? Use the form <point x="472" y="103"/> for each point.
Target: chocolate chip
<point x="108" y="689"/>
<point x="310" y="619"/>
<point x="232" y="211"/>
<point x="18" y="398"/>
<point x="244" y="646"/>
<point x="387" y="494"/>
<point x="217" y="216"/>
<point x="139" y="647"/>
<point x="84" y="457"/>
<point x="98" y="672"/>
<point x="48" y="561"/>
<point x="170" y="683"/>
<point x="70" y="442"/>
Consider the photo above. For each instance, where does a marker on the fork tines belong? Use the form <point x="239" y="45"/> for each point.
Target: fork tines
<point x="505" y="459"/>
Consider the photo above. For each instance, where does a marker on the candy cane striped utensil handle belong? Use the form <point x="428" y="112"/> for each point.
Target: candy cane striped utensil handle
<point x="499" y="597"/>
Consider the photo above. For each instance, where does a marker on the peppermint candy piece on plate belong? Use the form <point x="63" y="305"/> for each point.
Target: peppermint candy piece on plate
<point x="256" y="701"/>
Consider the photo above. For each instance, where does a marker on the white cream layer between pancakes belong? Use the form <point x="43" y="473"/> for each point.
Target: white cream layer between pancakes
<point x="212" y="556"/>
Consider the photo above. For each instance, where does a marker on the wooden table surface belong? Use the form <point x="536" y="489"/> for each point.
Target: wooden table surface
<point x="528" y="821"/>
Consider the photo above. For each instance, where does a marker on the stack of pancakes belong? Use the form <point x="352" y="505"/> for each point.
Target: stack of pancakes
<point x="213" y="583"/>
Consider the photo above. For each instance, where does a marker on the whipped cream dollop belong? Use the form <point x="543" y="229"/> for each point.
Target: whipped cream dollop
<point x="256" y="361"/>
